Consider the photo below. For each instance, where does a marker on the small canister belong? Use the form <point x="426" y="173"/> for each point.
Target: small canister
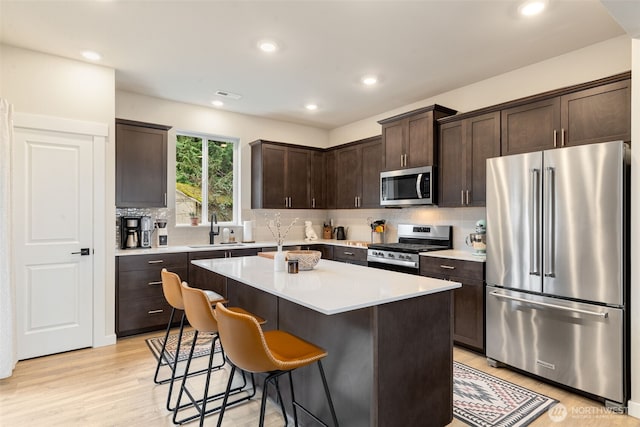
<point x="292" y="265"/>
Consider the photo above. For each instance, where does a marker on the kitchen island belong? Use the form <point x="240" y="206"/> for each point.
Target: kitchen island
<point x="388" y="335"/>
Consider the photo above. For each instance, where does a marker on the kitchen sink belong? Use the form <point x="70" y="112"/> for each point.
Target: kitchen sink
<point x="360" y="243"/>
<point x="218" y="245"/>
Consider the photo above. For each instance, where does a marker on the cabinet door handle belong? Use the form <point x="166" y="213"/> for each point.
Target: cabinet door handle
<point x="313" y="202"/>
<point x="156" y="261"/>
<point x="467" y="197"/>
<point x="447" y="267"/>
<point x="165" y="199"/>
<point x="562" y="137"/>
<point x="555" y="138"/>
<point x="462" y="197"/>
<point x="154" y="311"/>
<point x="154" y="283"/>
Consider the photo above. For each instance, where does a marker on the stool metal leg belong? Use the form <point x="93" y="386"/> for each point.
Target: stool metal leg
<point x="327" y="393"/>
<point x="326" y="390"/>
<point x="174" y="367"/>
<point x="164" y="346"/>
<point x="226" y="394"/>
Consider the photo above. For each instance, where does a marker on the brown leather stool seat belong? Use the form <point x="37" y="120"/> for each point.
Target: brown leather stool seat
<point x="273" y="352"/>
<point x="201" y="316"/>
<point x="173" y="294"/>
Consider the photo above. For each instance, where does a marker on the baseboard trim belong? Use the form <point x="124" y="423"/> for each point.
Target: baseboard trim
<point x="633" y="409"/>
<point x="105" y="340"/>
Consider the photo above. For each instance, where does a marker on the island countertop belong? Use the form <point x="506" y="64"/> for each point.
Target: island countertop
<point x="331" y="287"/>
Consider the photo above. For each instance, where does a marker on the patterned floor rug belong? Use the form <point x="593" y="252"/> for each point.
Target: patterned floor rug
<point x="203" y="346"/>
<point x="482" y="400"/>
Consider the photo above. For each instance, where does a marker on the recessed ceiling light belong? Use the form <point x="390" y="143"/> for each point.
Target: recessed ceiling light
<point x="217" y="103"/>
<point x="532" y="7"/>
<point x="369" y="80"/>
<point x="92" y="56"/>
<point x="268" y="46"/>
<point x="311" y="107"/>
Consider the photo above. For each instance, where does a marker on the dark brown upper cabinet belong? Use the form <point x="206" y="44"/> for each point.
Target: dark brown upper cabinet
<point x="283" y="176"/>
<point x="357" y="171"/>
<point x="318" y="180"/>
<point x="464" y="147"/>
<point x="408" y="140"/>
<point x="141" y="164"/>
<point x="601" y="112"/>
<point x="331" y="176"/>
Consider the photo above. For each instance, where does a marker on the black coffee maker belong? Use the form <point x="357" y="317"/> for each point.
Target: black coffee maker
<point x="341" y="234"/>
<point x="130" y="232"/>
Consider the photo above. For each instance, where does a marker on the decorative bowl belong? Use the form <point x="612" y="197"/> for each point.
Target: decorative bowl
<point x="306" y="259"/>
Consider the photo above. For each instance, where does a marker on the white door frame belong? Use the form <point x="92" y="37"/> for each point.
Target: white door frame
<point x="103" y="296"/>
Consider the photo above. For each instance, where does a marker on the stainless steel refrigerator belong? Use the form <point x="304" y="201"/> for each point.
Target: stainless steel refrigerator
<point x="557" y="270"/>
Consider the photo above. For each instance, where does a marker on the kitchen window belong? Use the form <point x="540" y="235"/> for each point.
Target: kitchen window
<point x="206" y="178"/>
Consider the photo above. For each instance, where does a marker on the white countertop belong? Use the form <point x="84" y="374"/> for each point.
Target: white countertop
<point x="331" y="287"/>
<point x="456" y="254"/>
<point x="231" y="246"/>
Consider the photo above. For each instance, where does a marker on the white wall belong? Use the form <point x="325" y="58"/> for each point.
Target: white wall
<point x="583" y="65"/>
<point x="42" y="84"/>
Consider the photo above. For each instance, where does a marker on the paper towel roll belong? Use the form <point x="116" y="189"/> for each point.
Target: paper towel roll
<point x="247" y="231"/>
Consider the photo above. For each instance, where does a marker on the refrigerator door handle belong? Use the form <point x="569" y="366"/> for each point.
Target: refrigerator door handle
<point x="603" y="315"/>
<point x="550" y="208"/>
<point x="534" y="224"/>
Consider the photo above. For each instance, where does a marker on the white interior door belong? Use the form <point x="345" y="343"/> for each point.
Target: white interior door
<point x="53" y="220"/>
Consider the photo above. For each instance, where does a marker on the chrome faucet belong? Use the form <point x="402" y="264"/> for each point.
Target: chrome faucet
<point x="213" y="234"/>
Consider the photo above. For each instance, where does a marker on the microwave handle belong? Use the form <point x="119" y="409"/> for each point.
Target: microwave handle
<point x="418" y="186"/>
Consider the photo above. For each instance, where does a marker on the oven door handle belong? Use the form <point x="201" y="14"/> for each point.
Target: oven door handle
<point x="418" y="186"/>
<point x="410" y="264"/>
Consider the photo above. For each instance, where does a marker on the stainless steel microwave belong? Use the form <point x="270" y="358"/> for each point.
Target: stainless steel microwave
<point x="407" y="187"/>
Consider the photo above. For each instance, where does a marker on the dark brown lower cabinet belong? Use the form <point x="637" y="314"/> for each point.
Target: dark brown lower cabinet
<point x="327" y="250"/>
<point x="468" y="301"/>
<point x="350" y="255"/>
<point x="140" y="302"/>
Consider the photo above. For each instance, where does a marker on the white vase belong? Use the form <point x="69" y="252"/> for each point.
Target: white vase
<point x="279" y="261"/>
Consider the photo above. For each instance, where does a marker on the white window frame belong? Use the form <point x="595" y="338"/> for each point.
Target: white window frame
<point x="206" y="216"/>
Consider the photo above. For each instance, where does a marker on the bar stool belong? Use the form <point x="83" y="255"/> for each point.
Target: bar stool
<point x="200" y="314"/>
<point x="273" y="352"/>
<point x="173" y="294"/>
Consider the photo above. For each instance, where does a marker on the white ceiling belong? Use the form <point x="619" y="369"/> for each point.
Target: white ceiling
<point x="187" y="50"/>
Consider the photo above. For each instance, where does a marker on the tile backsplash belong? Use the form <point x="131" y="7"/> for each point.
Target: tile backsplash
<point x="356" y="222"/>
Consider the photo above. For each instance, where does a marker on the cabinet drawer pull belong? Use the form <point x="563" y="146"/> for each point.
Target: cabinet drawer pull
<point x="448" y="267"/>
<point x="349" y="253"/>
<point x="155" y="311"/>
<point x="156" y="261"/>
<point x="154" y="283"/>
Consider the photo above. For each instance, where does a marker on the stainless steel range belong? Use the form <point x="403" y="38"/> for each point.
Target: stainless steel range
<point x="412" y="239"/>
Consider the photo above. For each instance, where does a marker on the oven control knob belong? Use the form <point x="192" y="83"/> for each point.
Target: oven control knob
<point x="391" y="256"/>
<point x="401" y="256"/>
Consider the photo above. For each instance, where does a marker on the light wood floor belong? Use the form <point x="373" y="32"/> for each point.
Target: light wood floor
<point x="113" y="386"/>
